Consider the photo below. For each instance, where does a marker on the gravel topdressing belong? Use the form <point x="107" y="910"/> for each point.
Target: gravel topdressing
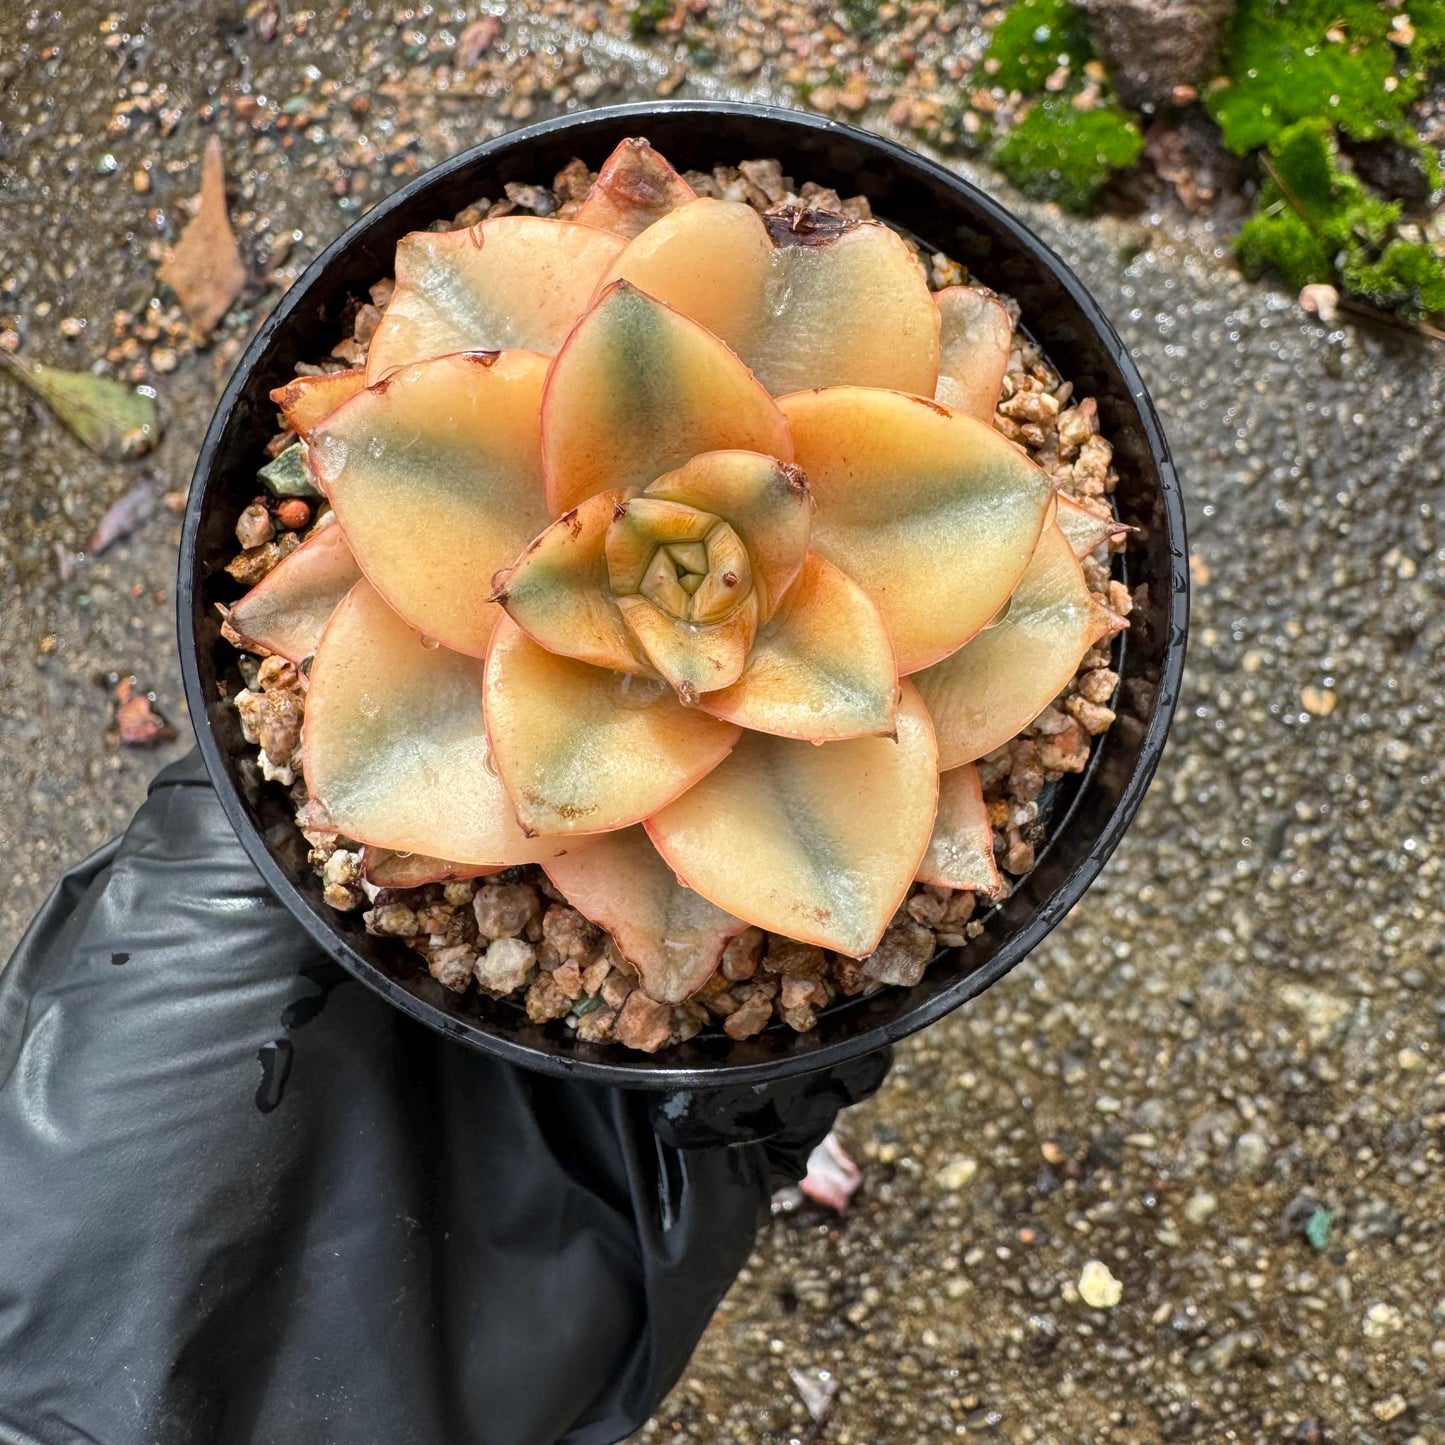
<point x="513" y="933"/>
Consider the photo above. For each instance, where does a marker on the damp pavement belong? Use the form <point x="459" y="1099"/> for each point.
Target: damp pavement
<point x="1223" y="1078"/>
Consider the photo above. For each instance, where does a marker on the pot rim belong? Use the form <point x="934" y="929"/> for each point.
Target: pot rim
<point x="648" y="1071"/>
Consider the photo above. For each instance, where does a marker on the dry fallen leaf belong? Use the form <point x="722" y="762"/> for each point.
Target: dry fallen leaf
<point x="477" y="39"/>
<point x="124" y="516"/>
<point x="136" y="719"/>
<point x="204" y="269"/>
<point x="114" y="420"/>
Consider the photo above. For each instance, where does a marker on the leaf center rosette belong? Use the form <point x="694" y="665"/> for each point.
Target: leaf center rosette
<point x="674" y="579"/>
<point x="683" y="582"/>
<point x="689" y="564"/>
<point x="674" y="552"/>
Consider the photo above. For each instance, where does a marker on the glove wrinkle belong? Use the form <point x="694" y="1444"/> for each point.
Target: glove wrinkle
<point x="413" y="1244"/>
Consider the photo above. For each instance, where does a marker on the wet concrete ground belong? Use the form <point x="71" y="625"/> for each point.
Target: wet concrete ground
<point x="1222" y="1077"/>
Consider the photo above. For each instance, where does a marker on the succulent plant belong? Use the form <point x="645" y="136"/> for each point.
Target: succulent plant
<point x="674" y="552"/>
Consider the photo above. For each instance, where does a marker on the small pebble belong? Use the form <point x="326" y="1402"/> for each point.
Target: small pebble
<point x="957" y="1174"/>
<point x="1382" y="1319"/>
<point x="253" y="526"/>
<point x="1097" y="1286"/>
<point x="293" y="514"/>
<point x="1250" y="1151"/>
<point x="1320" y="299"/>
<point x="1199" y="1207"/>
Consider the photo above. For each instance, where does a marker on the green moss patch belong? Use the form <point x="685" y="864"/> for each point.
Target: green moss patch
<point x="1033" y="39"/>
<point x="1287" y="60"/>
<point x="1297" y="76"/>
<point x="1058" y="153"/>
<point x="1058" y="150"/>
<point x="1317" y="222"/>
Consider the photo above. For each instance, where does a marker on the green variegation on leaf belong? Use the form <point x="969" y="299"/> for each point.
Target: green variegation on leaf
<point x="988" y="691"/>
<point x="287" y="611"/>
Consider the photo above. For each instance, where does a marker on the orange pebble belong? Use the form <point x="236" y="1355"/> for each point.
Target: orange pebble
<point x="293" y="514"/>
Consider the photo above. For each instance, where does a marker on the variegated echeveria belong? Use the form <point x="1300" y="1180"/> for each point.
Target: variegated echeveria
<point x="675" y="552"/>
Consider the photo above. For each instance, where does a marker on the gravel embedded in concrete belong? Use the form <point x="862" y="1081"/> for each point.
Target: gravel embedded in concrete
<point x="1221" y="1078"/>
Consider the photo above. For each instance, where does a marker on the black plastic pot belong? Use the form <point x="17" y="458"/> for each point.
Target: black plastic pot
<point x="947" y="214"/>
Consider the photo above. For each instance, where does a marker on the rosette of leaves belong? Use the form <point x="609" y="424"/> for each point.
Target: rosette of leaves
<point x="674" y="552"/>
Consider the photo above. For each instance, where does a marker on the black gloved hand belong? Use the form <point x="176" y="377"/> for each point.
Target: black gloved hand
<point x="242" y="1199"/>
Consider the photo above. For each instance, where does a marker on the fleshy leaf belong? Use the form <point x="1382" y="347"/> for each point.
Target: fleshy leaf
<point x="767" y="503"/>
<point x="934" y="515"/>
<point x="729" y="577"/>
<point x="672" y="936"/>
<point x="973" y="350"/>
<point x="558" y="593"/>
<point x="805" y="298"/>
<point x="582" y="750"/>
<point x="822" y="669"/>
<point x="960" y="853"/>
<point x="708" y="259"/>
<point x="639" y="389"/>
<point x="995" y="686"/>
<point x="819" y="842"/>
<point x="396" y="746"/>
<point x="634" y="188"/>
<point x="511" y="283"/>
<point x="639" y="527"/>
<point x="288" y="609"/>
<point x="306" y="400"/>
<point x="695" y="658"/>
<point x="1083" y="528"/>
<point x="435" y="475"/>
<point x="386" y="868"/>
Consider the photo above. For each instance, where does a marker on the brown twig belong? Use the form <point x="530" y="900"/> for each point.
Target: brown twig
<point x="1296" y="205"/>
<point x="1388" y="318"/>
